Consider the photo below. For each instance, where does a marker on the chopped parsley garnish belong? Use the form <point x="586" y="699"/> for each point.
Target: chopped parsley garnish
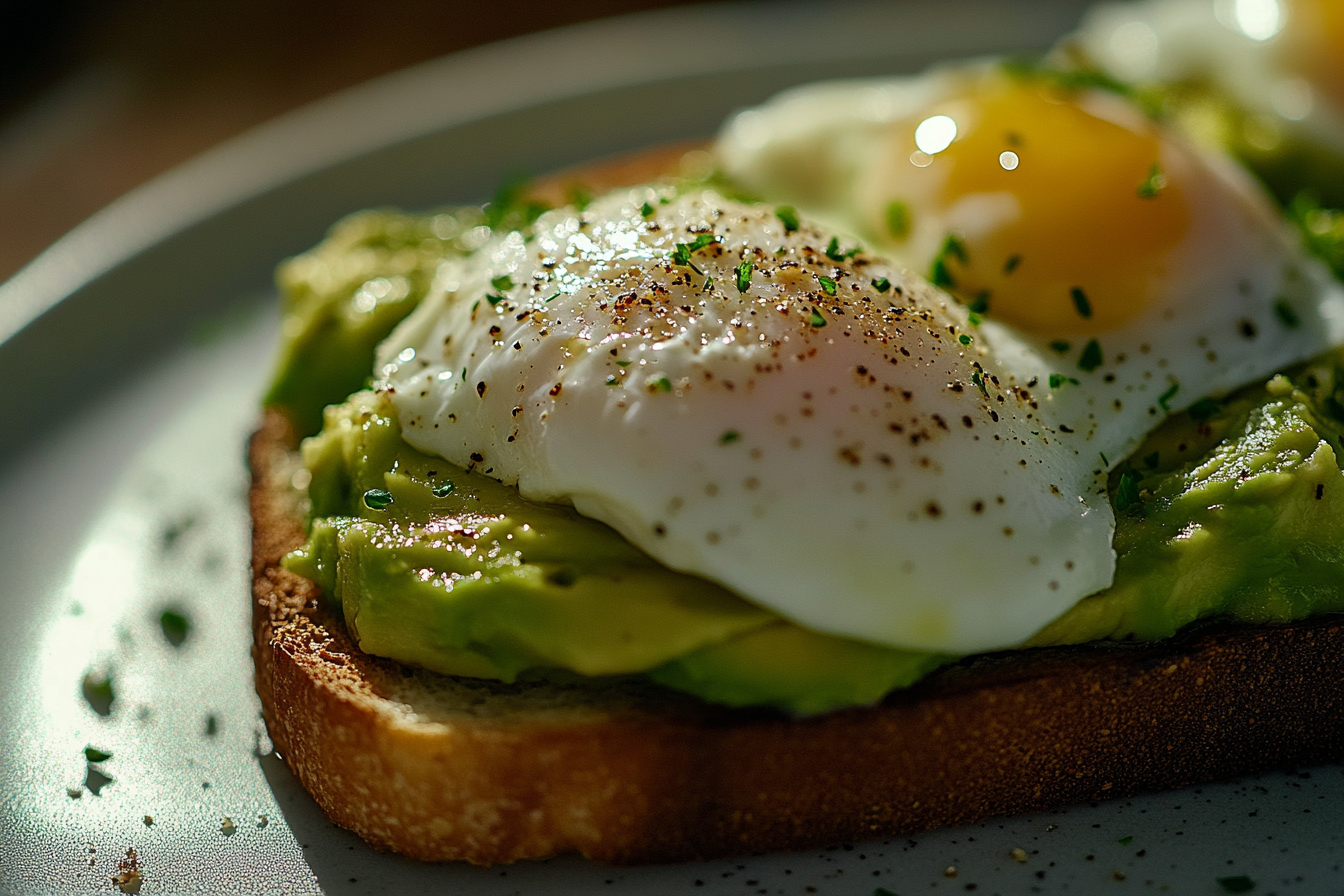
<point x="443" y="491"/>
<point x="174" y="626"/>
<point x="1322" y="229"/>
<point x="833" y="250"/>
<point x="624" y="362"/>
<point x="979" y="382"/>
<point x="964" y="339"/>
<point x="827" y="285"/>
<point x="1011" y="264"/>
<point x="93" y="754"/>
<point x="503" y="282"/>
<point x="898" y="220"/>
<point x="744" y="275"/>
<point x="646" y="210"/>
<point x="1080" y="302"/>
<point x="980" y="304"/>
<point x="510" y="209"/>
<point x="1286" y="315"/>
<point x="493" y="299"/>
<point x="975" y="319"/>
<point x="377" y="499"/>
<point x="1091" y="358"/>
<point x="1058" y="379"/>
<point x="729" y="437"/>
<point x="612" y="380"/>
<point x="579" y="196"/>
<point x="98" y="693"/>
<point x="1165" y="398"/>
<point x="1202" y="409"/>
<point x="939" y="273"/>
<point x="882" y="284"/>
<point x="1060" y="346"/>
<point x="788" y="216"/>
<point x="681" y="255"/>
<point x="1104" y="461"/>
<point x="1125" y="840"/>
<point x="1155" y="183"/>
<point x="662" y="384"/>
<point x="1238" y="884"/>
<point x="817" y="319"/>
<point x="1127" y="492"/>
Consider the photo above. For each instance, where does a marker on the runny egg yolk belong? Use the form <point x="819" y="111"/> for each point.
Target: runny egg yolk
<point x="1060" y="220"/>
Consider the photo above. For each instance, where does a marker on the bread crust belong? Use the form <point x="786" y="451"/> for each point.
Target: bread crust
<point x="439" y="768"/>
<point x="443" y="768"/>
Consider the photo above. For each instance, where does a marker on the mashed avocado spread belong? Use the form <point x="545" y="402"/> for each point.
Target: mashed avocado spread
<point x="1233" y="509"/>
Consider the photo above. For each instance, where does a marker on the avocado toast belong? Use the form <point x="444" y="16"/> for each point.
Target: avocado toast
<point x="620" y="769"/>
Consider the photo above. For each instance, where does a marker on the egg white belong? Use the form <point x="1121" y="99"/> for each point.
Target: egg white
<point x="866" y="463"/>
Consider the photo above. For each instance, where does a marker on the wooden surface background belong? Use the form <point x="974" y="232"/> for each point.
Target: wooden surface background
<point x="98" y="97"/>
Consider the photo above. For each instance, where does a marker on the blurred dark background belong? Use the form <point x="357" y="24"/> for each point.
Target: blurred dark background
<point x="97" y="96"/>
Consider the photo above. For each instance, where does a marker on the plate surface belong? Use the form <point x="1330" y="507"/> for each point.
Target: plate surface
<point x="139" y="345"/>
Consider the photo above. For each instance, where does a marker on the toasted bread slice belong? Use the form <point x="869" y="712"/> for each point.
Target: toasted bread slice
<point x="437" y="767"/>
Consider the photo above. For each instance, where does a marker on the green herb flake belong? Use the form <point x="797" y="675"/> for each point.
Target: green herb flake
<point x="882" y="284"/>
<point x="1127" y="492"/>
<point x="827" y="285"/>
<point x="377" y="499"/>
<point x="729" y="437"/>
<point x="443" y="491"/>
<point x="1286" y="315"/>
<point x="98" y="692"/>
<point x="833" y="251"/>
<point x="1238" y="884"/>
<point x="744" y="275"/>
<point x="624" y="362"/>
<point x="1059" y="345"/>
<point x="979" y="382"/>
<point x="975" y="319"/>
<point x="980" y="304"/>
<point x="1011" y="264"/>
<point x="175" y="627"/>
<point x="788" y="216"/>
<point x="646" y="210"/>
<point x="1080" y="302"/>
<point x="502" y="283"/>
<point x="1104" y="461"/>
<point x="1091" y="358"/>
<point x="898" y="220"/>
<point x="939" y="272"/>
<point x="492" y="299"/>
<point x="1125" y="840"/>
<point x="1058" y="379"/>
<point x="817" y="319"/>
<point x="1150" y="460"/>
<point x="93" y="754"/>
<point x="1165" y="398"/>
<point x="662" y="384"/>
<point x="1202" y="409"/>
<point x="1153" y="184"/>
<point x="579" y="196"/>
<point x="964" y="339"/>
<point x="612" y="380"/>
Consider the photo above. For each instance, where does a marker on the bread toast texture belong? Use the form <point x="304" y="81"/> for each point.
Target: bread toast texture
<point x="444" y="768"/>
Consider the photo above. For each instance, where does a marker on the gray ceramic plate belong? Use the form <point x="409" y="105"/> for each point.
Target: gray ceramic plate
<point x="134" y="352"/>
